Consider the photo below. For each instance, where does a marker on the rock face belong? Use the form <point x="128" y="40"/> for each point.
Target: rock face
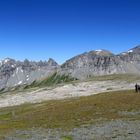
<point x="14" y="73"/>
<point x="93" y="63"/>
<point x="102" y="62"/>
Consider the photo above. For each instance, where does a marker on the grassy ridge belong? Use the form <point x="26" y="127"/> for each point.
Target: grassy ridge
<point x="70" y="113"/>
<point x="56" y="79"/>
<point x="52" y="80"/>
<point x="113" y="77"/>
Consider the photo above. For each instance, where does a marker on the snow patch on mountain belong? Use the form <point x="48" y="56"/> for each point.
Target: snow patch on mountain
<point x="98" y="50"/>
<point x="20" y="82"/>
<point x="124" y="53"/>
<point x="6" y="60"/>
<point x="130" y="51"/>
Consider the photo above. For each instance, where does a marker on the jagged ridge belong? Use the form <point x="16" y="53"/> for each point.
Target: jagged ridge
<point x="14" y="73"/>
<point x="93" y="63"/>
<point x="103" y="62"/>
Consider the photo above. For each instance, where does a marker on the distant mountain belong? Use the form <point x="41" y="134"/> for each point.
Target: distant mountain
<point x="14" y="73"/>
<point x="93" y="63"/>
<point x="133" y="51"/>
<point x="101" y="52"/>
<point x="102" y="62"/>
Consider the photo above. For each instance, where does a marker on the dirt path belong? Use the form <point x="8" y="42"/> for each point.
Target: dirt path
<point x="66" y="91"/>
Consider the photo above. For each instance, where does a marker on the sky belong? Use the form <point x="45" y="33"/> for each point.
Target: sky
<point x="60" y="29"/>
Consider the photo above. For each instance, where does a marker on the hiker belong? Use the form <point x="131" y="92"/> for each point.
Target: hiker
<point x="137" y="88"/>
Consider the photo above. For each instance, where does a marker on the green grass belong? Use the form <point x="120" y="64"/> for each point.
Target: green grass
<point x="67" y="138"/>
<point x="70" y="113"/>
<point x="52" y="80"/>
<point x="121" y="77"/>
<point x="57" y="79"/>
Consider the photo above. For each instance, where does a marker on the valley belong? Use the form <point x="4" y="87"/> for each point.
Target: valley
<point x="103" y="107"/>
<point x="110" y="115"/>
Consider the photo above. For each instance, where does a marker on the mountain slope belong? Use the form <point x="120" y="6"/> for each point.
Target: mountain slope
<point x="14" y="73"/>
<point x="93" y="63"/>
<point x="102" y="63"/>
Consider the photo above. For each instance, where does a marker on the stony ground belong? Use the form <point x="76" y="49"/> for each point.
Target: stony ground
<point x="124" y="126"/>
<point x="65" y="91"/>
<point x="112" y="130"/>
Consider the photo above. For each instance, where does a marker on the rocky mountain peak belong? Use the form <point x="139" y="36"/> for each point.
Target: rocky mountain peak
<point x="82" y="66"/>
<point x="14" y="73"/>
<point x="7" y="62"/>
<point x="135" y="50"/>
<point x="52" y="62"/>
<point x="103" y="62"/>
<point x="101" y="52"/>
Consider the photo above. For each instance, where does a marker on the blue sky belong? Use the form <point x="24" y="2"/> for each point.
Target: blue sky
<point x="61" y="29"/>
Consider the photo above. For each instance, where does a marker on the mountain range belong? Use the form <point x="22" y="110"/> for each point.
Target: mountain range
<point x="83" y="66"/>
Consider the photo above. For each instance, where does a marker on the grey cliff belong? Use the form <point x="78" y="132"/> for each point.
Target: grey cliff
<point x="83" y="66"/>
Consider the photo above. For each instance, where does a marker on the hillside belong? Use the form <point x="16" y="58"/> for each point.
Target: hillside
<point x="94" y="63"/>
<point x="59" y="87"/>
<point x="102" y="62"/>
<point x="114" y="115"/>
